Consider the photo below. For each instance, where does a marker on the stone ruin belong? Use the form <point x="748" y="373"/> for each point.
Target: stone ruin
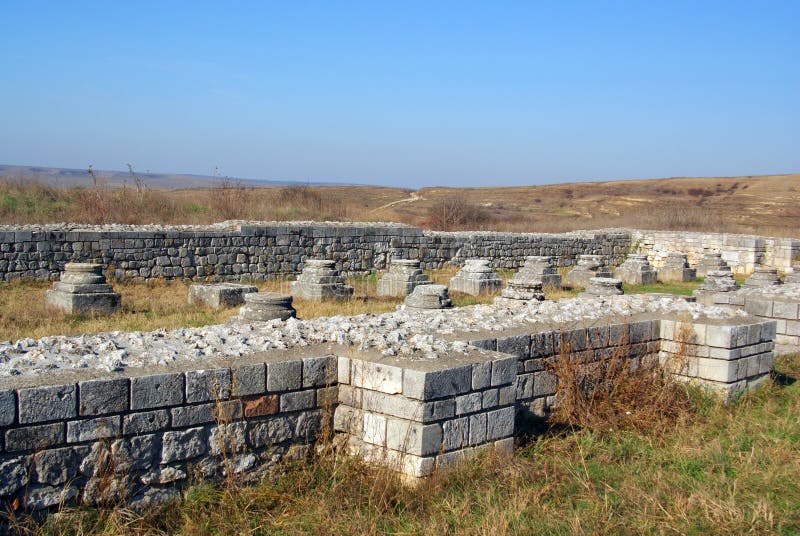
<point x="603" y="286"/>
<point x="708" y="262"/>
<point x="527" y="284"/>
<point x="636" y="270"/>
<point x="83" y="290"/>
<point x="265" y="306"/>
<point x="403" y="276"/>
<point x="219" y="295"/>
<point x="588" y="266"/>
<point x="475" y="277"/>
<point x="676" y="269"/>
<point x="428" y="296"/>
<point x="715" y="282"/>
<point x="762" y="277"/>
<point x="320" y="280"/>
<point x="523" y="290"/>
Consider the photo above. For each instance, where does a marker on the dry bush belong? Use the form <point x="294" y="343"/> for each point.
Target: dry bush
<point x="617" y="392"/>
<point x="228" y="199"/>
<point x="455" y="213"/>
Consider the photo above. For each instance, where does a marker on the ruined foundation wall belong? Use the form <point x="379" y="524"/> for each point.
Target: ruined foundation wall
<point x="741" y="252"/>
<point x="232" y="251"/>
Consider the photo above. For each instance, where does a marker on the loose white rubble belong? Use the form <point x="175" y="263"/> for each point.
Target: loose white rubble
<point x="401" y="333"/>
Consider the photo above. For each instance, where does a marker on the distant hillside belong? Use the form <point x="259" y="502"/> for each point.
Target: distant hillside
<point x="66" y="178"/>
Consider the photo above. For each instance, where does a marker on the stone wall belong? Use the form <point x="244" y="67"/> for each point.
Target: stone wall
<point x="100" y="437"/>
<point x="232" y="251"/>
<point x="741" y="252"/>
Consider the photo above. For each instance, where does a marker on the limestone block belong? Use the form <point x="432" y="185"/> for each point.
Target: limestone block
<point x="297" y="401"/>
<point x="157" y="391"/>
<point x="425" y="385"/>
<point x="428" y="297"/>
<point x="219" y="295"/>
<point x="413" y="438"/>
<point x="205" y="385"/>
<point x="183" y="445"/>
<point x="284" y="375"/>
<point x="588" y="266"/>
<point x="266" y="306"/>
<point x="83" y="291"/>
<point x="8" y="407"/>
<point x="536" y="273"/>
<point x="249" y="379"/>
<point x="50" y="403"/>
<point x="710" y="262"/>
<point x="475" y="277"/>
<point x="321" y="281"/>
<point x="35" y="437"/>
<point x="93" y="429"/>
<point x="401" y="279"/>
<point x="762" y="277"/>
<point x="603" y="286"/>
<point x="145" y="422"/>
<point x="636" y="270"/>
<point x="676" y="269"/>
<point x="99" y="397"/>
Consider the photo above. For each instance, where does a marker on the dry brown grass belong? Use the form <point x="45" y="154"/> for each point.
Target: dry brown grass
<point x="757" y="205"/>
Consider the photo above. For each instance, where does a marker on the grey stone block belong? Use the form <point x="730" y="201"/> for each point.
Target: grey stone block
<point x="13" y="474"/>
<point x="477" y="429"/>
<point x="219" y="412"/>
<point x="284" y="376"/>
<point x="40" y="404"/>
<point x="319" y="371"/>
<point x="503" y="371"/>
<point x="437" y="384"/>
<point x="481" y="375"/>
<point x="100" y="397"/>
<point x="518" y="346"/>
<point x="544" y="383"/>
<point x="468" y="403"/>
<point x="56" y="466"/>
<point x="145" y="422"/>
<point x="455" y="434"/>
<point x="500" y="423"/>
<point x="297" y="401"/>
<point x="183" y="445"/>
<point x="35" y="437"/>
<point x="157" y="391"/>
<point x="249" y="380"/>
<point x="413" y="438"/>
<point x="208" y="385"/>
<point x="272" y="432"/>
<point x="8" y="407"/>
<point x="91" y="429"/>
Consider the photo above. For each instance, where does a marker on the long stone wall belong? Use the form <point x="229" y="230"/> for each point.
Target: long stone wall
<point x="236" y="250"/>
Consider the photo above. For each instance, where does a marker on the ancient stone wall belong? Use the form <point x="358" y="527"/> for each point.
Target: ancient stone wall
<point x="232" y="251"/>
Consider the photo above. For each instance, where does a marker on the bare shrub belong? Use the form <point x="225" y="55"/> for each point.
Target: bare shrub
<point x="229" y="199"/>
<point x="617" y="392"/>
<point x="455" y="212"/>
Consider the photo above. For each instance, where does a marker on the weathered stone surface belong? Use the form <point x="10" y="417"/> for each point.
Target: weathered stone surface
<point x="8" y="407"/>
<point x="184" y="445"/>
<point x="57" y="466"/>
<point x="276" y="430"/>
<point x="83" y="291"/>
<point x="91" y="429"/>
<point x="401" y="279"/>
<point x="100" y="397"/>
<point x="266" y="306"/>
<point x="249" y="379"/>
<point x="715" y="283"/>
<point x="49" y="403"/>
<point x="588" y="266"/>
<point x="709" y="262"/>
<point x="475" y="277"/>
<point x="676" y="269"/>
<point x="603" y="286"/>
<point x="35" y="437"/>
<point x="145" y="422"/>
<point x="429" y="297"/>
<point x="13" y="474"/>
<point x="156" y="391"/>
<point x="321" y="281"/>
<point x="205" y="385"/>
<point x="762" y="277"/>
<point x="636" y="270"/>
<point x="219" y="295"/>
<point x="284" y="376"/>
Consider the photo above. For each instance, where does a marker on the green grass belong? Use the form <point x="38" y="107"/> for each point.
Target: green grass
<point x="683" y="289"/>
<point x="726" y="470"/>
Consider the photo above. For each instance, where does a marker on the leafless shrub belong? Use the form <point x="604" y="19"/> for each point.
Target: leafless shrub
<point x="455" y="212"/>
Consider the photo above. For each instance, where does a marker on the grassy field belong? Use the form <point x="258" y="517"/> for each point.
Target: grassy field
<point x="752" y="205"/>
<point x="712" y="469"/>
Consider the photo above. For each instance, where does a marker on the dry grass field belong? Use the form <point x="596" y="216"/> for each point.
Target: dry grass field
<point x="760" y="205"/>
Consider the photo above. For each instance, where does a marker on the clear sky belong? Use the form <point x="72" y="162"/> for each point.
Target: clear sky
<point x="404" y="93"/>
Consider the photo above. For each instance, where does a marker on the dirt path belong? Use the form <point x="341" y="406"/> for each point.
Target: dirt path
<point x="412" y="197"/>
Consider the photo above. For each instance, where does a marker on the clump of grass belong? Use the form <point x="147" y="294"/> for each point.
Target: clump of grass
<point x="618" y="391"/>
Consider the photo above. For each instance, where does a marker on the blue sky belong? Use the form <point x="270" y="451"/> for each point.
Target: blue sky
<point x="404" y="93"/>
